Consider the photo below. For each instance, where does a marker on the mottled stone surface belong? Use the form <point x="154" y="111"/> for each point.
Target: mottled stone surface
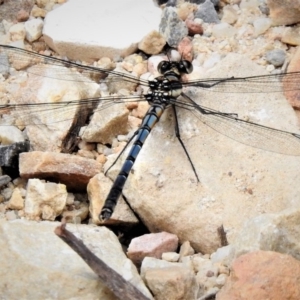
<point x="263" y="275"/>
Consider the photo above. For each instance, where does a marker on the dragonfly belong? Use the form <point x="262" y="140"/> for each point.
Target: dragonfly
<point x="168" y="90"/>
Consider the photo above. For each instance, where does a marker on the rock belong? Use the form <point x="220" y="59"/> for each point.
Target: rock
<point x="10" y="135"/>
<point x="170" y="256"/>
<point x="10" y="10"/>
<point x="9" y="155"/>
<point x="186" y="249"/>
<point x="22" y="15"/>
<point x="98" y="189"/>
<point x="37" y="255"/>
<point x="171" y="27"/>
<point x="38" y="12"/>
<point x="4" y="180"/>
<point x="97" y="38"/>
<point x="270" y="232"/>
<point x="207" y="13"/>
<point x="78" y="214"/>
<point x="103" y="127"/>
<point x="284" y="13"/>
<point x="261" y="25"/>
<point x="153" y="245"/>
<point x="291" y="36"/>
<point x="194" y="26"/>
<point x="238" y="171"/>
<point x="259" y="275"/>
<point x="45" y="200"/>
<point x="73" y="171"/>
<point x="152" y="43"/>
<point x="185" y="10"/>
<point x="150" y="263"/>
<point x="172" y="283"/>
<point x="207" y="274"/>
<point x="185" y="48"/>
<point x="223" y="30"/>
<point x="229" y="15"/>
<point x="33" y="29"/>
<point x="222" y="255"/>
<point x="17" y="199"/>
<point x="17" y="32"/>
<point x="276" y="57"/>
<point x="56" y="131"/>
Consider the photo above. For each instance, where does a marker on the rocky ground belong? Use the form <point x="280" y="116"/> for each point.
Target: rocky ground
<point x="233" y="235"/>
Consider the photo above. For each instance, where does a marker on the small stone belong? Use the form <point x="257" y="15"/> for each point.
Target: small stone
<point x="77" y="215"/>
<point x="172" y="28"/>
<point x="7" y="193"/>
<point x="11" y="215"/>
<point x="230" y="15"/>
<point x="4" y="180"/>
<point x="10" y="135"/>
<point x="22" y="15"/>
<point x="38" y="12"/>
<point x="291" y="36"/>
<point x="261" y="25"/>
<point x="153" y="245"/>
<point x="221" y="280"/>
<point x="185" y="47"/>
<point x="170" y="256"/>
<point x="223" y="30"/>
<point x="276" y="57"/>
<point x="45" y="200"/>
<point x="186" y="249"/>
<point x="172" y="283"/>
<point x="152" y="43"/>
<point x="194" y="27"/>
<point x="207" y="13"/>
<point x="17" y="32"/>
<point x="16" y="201"/>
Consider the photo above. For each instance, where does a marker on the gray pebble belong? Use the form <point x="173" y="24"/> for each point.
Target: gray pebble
<point x="276" y="57"/>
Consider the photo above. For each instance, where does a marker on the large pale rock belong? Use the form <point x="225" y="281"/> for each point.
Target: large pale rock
<point x="270" y="232"/>
<point x="263" y="275"/>
<point x="96" y="35"/>
<point x="73" y="171"/>
<point x="237" y="182"/>
<point x="33" y="256"/>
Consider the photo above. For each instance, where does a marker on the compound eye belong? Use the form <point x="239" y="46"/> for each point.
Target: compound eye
<point x="185" y="67"/>
<point x="163" y="66"/>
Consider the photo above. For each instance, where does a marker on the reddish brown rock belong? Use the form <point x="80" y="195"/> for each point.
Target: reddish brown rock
<point x="263" y="275"/>
<point x="291" y="88"/>
<point x="193" y="27"/>
<point x="73" y="171"/>
<point x="185" y="48"/>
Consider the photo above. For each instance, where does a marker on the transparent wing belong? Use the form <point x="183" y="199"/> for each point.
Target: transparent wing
<point x="21" y="59"/>
<point x="22" y="114"/>
<point x="255" y="84"/>
<point x="245" y="132"/>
